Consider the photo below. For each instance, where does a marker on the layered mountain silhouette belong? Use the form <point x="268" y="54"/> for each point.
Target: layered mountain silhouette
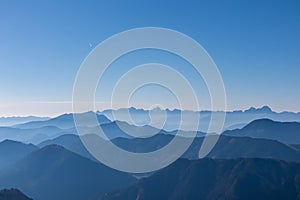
<point x="172" y="118"/>
<point x="226" y="147"/>
<point x="58" y="166"/>
<point x="71" y="142"/>
<point x="32" y="135"/>
<point x="123" y="129"/>
<point x="39" y="131"/>
<point x="56" y="173"/>
<point x="234" y="119"/>
<point x="286" y="132"/>
<point x="65" y="121"/>
<point x="12" y="194"/>
<point x="10" y="121"/>
<point x="217" y="179"/>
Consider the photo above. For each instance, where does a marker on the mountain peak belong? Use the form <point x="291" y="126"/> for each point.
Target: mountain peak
<point x="7" y="194"/>
<point x="15" y="144"/>
<point x="8" y="141"/>
<point x="264" y="109"/>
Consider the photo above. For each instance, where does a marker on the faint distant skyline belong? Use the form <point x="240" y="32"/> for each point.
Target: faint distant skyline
<point x="255" y="45"/>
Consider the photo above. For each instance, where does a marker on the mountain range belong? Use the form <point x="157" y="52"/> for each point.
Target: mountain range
<point x="65" y="121"/>
<point x="226" y="147"/>
<point x="140" y="117"/>
<point x="286" y="132"/>
<point x="53" y="172"/>
<point x="10" y="121"/>
<point x="39" y="131"/>
<point x="47" y="160"/>
<point x="56" y="173"/>
<point x="172" y="118"/>
<point x="217" y="179"/>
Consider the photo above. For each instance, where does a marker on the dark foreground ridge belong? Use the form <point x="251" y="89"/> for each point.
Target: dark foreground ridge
<point x="217" y="179"/>
<point x="12" y="194"/>
<point x="54" y="173"/>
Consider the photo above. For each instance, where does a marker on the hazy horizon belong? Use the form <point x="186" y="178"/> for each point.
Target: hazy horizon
<point x="146" y="109"/>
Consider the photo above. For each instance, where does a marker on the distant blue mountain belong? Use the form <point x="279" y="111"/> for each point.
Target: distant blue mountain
<point x="30" y="135"/>
<point x="234" y="119"/>
<point x="65" y="121"/>
<point x="226" y="147"/>
<point x="27" y="134"/>
<point x="56" y="173"/>
<point x="286" y="132"/>
<point x="37" y="131"/>
<point x="170" y="118"/>
<point x="10" y="121"/>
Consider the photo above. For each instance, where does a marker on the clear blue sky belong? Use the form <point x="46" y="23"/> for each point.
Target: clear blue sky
<point x="255" y="44"/>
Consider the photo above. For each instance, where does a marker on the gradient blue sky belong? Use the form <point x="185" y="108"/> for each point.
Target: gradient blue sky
<point x="255" y="44"/>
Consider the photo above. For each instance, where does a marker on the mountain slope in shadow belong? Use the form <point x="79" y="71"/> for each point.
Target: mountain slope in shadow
<point x="12" y="194"/>
<point x="245" y="179"/>
<point x="56" y="173"/>
<point x="71" y="142"/>
<point x="12" y="151"/>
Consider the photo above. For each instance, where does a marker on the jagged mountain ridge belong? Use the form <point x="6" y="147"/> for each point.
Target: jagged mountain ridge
<point x="217" y="179"/>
